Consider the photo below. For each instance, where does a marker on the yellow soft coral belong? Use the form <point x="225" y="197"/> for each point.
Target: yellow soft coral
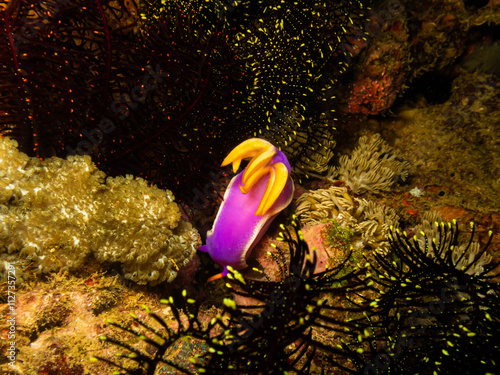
<point x="12" y="163"/>
<point x="66" y="210"/>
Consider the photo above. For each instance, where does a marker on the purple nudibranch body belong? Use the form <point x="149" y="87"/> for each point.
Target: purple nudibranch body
<point x="253" y="198"/>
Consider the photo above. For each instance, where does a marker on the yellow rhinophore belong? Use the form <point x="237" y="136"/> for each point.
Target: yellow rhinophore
<point x="261" y="153"/>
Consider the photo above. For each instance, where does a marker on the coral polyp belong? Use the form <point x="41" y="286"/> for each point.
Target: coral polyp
<point x="374" y="166"/>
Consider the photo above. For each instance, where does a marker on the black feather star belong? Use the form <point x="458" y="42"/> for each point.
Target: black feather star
<point x="278" y="333"/>
<point x="431" y="305"/>
<point x="438" y="306"/>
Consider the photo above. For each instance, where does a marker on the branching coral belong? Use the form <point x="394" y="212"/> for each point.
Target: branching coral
<point x="374" y="166"/>
<point x="368" y="220"/>
<point x="61" y="211"/>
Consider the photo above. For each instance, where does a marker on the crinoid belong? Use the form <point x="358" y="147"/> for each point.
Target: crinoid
<point x="438" y="307"/>
<point x="176" y="133"/>
<point x="161" y="338"/>
<point x="293" y="54"/>
<point x="295" y="318"/>
<point x="291" y="321"/>
<point x="162" y="89"/>
<point x="141" y="87"/>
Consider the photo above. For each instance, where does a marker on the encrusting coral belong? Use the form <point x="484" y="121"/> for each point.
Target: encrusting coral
<point x="57" y="212"/>
<point x="374" y="166"/>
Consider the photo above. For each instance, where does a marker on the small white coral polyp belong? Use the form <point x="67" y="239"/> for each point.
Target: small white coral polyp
<point x="374" y="166"/>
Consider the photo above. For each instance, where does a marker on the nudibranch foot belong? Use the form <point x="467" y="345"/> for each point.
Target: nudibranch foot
<point x="218" y="276"/>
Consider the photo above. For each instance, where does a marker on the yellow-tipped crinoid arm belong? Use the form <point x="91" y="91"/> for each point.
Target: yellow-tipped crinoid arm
<point x="261" y="152"/>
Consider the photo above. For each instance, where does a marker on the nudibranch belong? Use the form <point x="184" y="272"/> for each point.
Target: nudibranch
<point x="253" y="198"/>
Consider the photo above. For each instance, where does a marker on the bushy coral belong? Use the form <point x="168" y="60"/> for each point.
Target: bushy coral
<point x="61" y="211"/>
<point x="12" y="163"/>
<point x="135" y="217"/>
<point x="368" y="220"/>
<point x="374" y="166"/>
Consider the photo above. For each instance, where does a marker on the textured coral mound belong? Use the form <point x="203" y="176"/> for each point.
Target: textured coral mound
<point x="58" y="212"/>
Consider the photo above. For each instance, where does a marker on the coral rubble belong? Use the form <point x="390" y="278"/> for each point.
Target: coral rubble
<point x="58" y="212"/>
<point x="59" y="320"/>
